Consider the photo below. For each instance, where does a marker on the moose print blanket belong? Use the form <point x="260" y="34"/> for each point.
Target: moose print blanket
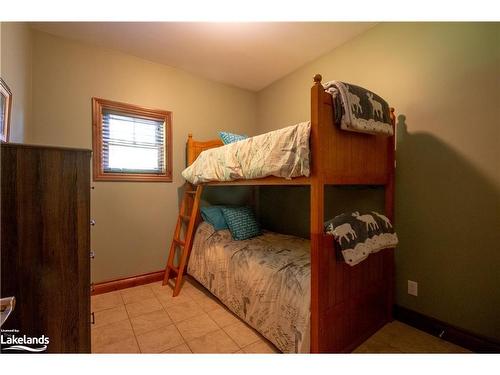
<point x="362" y="110"/>
<point x="361" y="233"/>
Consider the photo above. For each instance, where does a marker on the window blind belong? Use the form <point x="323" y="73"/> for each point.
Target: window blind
<point x="132" y="144"/>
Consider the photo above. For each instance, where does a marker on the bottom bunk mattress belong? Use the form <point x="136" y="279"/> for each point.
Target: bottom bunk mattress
<point x="264" y="280"/>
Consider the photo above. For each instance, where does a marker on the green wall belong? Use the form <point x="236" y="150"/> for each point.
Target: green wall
<point x="443" y="79"/>
<point x="277" y="214"/>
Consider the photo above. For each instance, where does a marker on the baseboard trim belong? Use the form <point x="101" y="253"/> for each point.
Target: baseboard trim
<point x="438" y="328"/>
<point x="127" y="282"/>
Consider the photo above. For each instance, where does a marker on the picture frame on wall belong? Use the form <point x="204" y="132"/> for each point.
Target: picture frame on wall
<point x="5" y="109"/>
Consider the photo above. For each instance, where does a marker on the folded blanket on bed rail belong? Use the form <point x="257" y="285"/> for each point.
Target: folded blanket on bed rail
<point x="362" y="110"/>
<point x="281" y="153"/>
<point x="359" y="234"/>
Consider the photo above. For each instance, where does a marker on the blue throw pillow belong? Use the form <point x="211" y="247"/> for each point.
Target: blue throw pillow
<point x="227" y="138"/>
<point x="214" y="216"/>
<point x="241" y="222"/>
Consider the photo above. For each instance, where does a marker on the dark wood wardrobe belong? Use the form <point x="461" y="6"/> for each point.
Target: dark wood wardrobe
<point x="45" y="243"/>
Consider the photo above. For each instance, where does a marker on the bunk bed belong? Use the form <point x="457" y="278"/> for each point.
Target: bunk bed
<point x="347" y="304"/>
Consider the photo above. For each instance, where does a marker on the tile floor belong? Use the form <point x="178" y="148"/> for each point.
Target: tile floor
<point x="147" y="319"/>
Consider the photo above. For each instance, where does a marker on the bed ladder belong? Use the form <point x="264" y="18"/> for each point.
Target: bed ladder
<point x="187" y="219"/>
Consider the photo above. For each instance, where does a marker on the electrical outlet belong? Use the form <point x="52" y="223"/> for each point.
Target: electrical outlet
<point x="413" y="288"/>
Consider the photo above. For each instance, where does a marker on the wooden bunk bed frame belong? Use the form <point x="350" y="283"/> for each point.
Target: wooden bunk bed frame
<point x="348" y="304"/>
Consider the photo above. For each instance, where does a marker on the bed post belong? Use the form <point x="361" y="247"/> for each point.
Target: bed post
<point x="389" y="210"/>
<point x="317" y="207"/>
<point x="391" y="169"/>
<point x="191" y="157"/>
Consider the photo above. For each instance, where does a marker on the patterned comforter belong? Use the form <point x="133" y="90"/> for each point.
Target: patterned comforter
<point x="281" y="153"/>
<point x="264" y="280"/>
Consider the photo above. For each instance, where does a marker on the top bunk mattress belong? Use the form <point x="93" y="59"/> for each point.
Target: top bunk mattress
<point x="281" y="153"/>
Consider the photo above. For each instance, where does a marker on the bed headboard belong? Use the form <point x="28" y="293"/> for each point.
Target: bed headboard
<point x="194" y="148"/>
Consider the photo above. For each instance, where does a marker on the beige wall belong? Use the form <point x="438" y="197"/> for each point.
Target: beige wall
<point x="15" y="69"/>
<point x="135" y="221"/>
<point x="444" y="79"/>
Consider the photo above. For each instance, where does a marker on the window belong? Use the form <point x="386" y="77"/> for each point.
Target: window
<point x="131" y="143"/>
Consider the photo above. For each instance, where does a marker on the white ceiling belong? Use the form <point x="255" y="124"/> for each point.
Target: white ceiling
<point x="246" y="55"/>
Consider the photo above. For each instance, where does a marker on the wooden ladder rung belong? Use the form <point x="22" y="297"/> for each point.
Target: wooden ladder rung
<point x="190" y="192"/>
<point x="174" y="268"/>
<point x="179" y="242"/>
<point x="185" y="217"/>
